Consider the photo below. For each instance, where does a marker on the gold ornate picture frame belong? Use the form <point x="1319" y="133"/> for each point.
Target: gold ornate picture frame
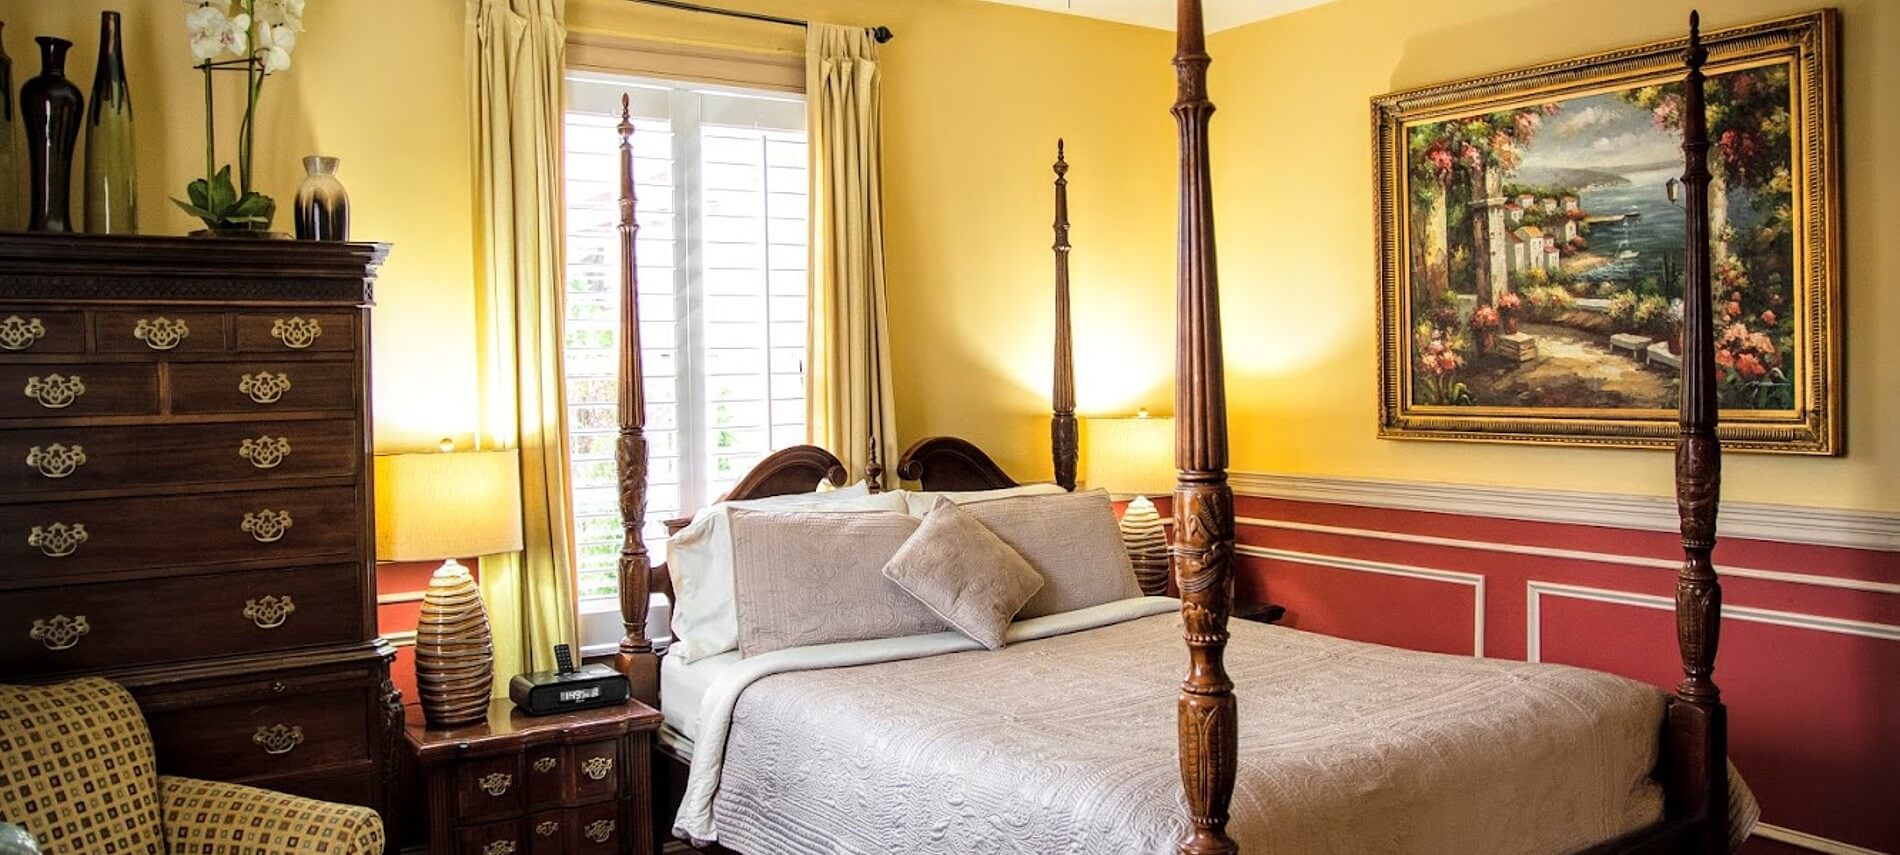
<point x="1530" y="247"/>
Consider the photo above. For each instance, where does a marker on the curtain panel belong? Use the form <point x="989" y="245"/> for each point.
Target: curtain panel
<point x="517" y="54"/>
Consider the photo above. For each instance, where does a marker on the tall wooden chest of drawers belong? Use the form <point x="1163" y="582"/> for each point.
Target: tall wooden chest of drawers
<point x="185" y="503"/>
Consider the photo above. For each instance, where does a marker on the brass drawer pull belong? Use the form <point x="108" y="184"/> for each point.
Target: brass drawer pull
<point x="264" y="387"/>
<point x="499" y="847"/>
<point x="18" y="333"/>
<point x="55" y="391"/>
<point x="296" y="333"/>
<point x="278" y="738"/>
<point x="599" y="830"/>
<point x="266" y="526"/>
<point x="161" y="333"/>
<point x="58" y="540"/>
<point x="59" y="632"/>
<point x="269" y="612"/>
<point x="597" y="767"/>
<point x="496" y="783"/>
<point x="544" y="764"/>
<point x="265" y="452"/>
<point x="56" y="461"/>
<point x="546" y="828"/>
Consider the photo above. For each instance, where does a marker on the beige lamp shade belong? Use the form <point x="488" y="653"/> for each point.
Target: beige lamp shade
<point x="436" y="505"/>
<point x="1131" y="455"/>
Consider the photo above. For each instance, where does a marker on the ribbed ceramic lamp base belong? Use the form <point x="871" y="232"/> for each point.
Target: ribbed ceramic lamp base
<point x="455" y="652"/>
<point x="1147" y="545"/>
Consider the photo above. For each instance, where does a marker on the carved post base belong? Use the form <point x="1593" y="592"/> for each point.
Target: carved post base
<point x="643" y="675"/>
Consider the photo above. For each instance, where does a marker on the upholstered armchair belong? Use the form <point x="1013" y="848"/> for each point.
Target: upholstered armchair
<point x="77" y="771"/>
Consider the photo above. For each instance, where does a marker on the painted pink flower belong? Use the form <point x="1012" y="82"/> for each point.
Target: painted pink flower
<point x="1742" y="85"/>
<point x="1749" y="367"/>
<point x="1440" y="159"/>
<point x="1471" y="156"/>
<point x="1724" y="358"/>
<point x="1735" y="334"/>
<point x="1768" y="317"/>
<point x="1734" y="310"/>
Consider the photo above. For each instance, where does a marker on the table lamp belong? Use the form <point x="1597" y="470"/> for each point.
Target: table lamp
<point x="439" y="506"/>
<point x="1132" y="456"/>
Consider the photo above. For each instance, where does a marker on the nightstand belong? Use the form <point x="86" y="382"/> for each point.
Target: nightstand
<point x="574" y="783"/>
<point x="1269" y="613"/>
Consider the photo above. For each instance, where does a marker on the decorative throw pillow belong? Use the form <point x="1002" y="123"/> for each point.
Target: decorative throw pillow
<point x="965" y="574"/>
<point x="699" y="560"/>
<point x="921" y="502"/>
<point x="801" y="578"/>
<point x="1072" y="540"/>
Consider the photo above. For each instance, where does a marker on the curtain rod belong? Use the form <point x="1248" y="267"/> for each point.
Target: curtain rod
<point x="881" y="34"/>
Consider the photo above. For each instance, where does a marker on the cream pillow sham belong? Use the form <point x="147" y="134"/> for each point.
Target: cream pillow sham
<point x="921" y="502"/>
<point x="801" y="578"/>
<point x="965" y="574"/>
<point x="1072" y="540"/>
<point x="699" y="559"/>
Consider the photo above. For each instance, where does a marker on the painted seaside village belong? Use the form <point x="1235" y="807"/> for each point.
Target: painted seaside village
<point x="1546" y="248"/>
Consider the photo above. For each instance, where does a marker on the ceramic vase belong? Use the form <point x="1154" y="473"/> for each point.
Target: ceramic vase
<point x="323" y="206"/>
<point x="455" y="652"/>
<point x="12" y="195"/>
<point x="1147" y="545"/>
<point x="52" y="108"/>
<point x="111" y="177"/>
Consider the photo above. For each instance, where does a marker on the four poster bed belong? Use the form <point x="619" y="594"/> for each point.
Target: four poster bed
<point x="1060" y="740"/>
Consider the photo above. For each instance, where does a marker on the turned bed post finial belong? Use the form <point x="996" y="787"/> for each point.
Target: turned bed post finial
<point x="1203" y="503"/>
<point x="1064" y="444"/>
<point x="1698" y="772"/>
<point x="636" y="658"/>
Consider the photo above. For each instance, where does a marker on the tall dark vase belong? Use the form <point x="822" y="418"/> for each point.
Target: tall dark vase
<point x="323" y="208"/>
<point x="53" y="108"/>
<point x="12" y="194"/>
<point x="111" y="176"/>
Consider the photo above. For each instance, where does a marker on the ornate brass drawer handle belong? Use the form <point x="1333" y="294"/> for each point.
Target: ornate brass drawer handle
<point x="18" y="333"/>
<point x="59" y="632"/>
<point x="544" y="764"/>
<point x="496" y="783"/>
<point x="599" y="830"/>
<point x="499" y="847"/>
<point x="278" y="738"/>
<point x="56" y="460"/>
<point x="269" y="612"/>
<point x="597" y="767"/>
<point x="55" y="391"/>
<point x="264" y="387"/>
<point x="57" y="540"/>
<point x="546" y="828"/>
<point x="266" y="526"/>
<point x="296" y="333"/>
<point x="161" y="333"/>
<point x="265" y="452"/>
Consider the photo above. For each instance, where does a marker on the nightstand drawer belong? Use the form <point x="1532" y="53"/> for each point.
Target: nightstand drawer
<point x="573" y="774"/>
<point x="52" y="460"/>
<point x="57" y="391"/>
<point x="296" y="332"/>
<point x="598" y="828"/>
<point x="495" y="838"/>
<point x="262" y="387"/>
<point x="489" y="787"/>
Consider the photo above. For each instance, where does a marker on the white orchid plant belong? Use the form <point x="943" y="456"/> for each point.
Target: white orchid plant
<point x="255" y="37"/>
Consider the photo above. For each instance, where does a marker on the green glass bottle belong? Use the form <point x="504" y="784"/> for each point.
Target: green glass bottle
<point x="111" y="174"/>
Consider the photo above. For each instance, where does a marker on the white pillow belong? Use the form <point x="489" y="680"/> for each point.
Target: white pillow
<point x="921" y="502"/>
<point x="699" y="560"/>
<point x="1072" y="540"/>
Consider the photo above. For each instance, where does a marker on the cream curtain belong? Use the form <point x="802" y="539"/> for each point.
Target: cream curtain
<point x="516" y="51"/>
<point x="848" y="403"/>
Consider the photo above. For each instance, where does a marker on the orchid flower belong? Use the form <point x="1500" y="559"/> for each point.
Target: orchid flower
<point x="274" y="44"/>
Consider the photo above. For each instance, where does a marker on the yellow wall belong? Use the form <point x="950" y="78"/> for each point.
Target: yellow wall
<point x="1292" y="166"/>
<point x="376" y="83"/>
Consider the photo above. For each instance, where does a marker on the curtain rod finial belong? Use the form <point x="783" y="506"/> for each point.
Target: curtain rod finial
<point x="883" y="35"/>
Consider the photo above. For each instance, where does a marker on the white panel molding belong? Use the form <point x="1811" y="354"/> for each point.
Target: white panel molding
<point x="1668" y="564"/>
<point x="1841" y="527"/>
<point x="1533" y="624"/>
<point x="406" y="638"/>
<point x="1471" y="580"/>
<point x="394" y="597"/>
<point x="1810" y="842"/>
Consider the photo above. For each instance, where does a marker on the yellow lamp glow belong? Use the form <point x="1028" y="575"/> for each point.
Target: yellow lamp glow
<point x="432" y="506"/>
<point x="1131" y="455"/>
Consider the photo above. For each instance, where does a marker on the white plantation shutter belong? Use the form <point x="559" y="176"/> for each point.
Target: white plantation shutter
<point x="720" y="176"/>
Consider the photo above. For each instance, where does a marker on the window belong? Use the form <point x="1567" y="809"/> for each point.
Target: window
<point x="720" y="177"/>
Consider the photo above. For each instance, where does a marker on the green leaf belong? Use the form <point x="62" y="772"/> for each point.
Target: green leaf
<point x="223" y="194"/>
<point x="199" y="192"/>
<point x="196" y="211"/>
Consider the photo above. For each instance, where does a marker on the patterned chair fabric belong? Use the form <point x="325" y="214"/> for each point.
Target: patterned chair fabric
<point x="77" y="771"/>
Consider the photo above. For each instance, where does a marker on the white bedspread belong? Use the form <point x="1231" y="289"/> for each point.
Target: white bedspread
<point x="1064" y="742"/>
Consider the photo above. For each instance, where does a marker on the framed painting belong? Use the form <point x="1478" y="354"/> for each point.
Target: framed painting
<point x="1531" y="230"/>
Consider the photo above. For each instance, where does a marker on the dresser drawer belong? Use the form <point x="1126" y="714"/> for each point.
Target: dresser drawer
<point x="296" y="332"/>
<point x="72" y="390"/>
<point x="262" y="738"/>
<point x="42" y="460"/>
<point x="489" y="787"/>
<point x="33" y="331"/>
<point x="262" y="387"/>
<point x="59" y="539"/>
<point x="572" y="774"/>
<point x="121" y="624"/>
<point x="159" y="331"/>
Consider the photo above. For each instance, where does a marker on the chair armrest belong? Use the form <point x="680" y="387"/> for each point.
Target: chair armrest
<point x="212" y="818"/>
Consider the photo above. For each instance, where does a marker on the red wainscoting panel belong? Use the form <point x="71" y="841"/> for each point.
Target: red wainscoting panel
<point x="1810" y="655"/>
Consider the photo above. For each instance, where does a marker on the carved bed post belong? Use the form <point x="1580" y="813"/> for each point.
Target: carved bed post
<point x="1062" y="429"/>
<point x="636" y="658"/>
<point x="1203" y="503"/>
<point x="1697" y="778"/>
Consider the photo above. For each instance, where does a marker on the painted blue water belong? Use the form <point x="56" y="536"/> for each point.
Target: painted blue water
<point x="1654" y="235"/>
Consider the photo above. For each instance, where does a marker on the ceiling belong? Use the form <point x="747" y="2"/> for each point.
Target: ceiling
<point x="1221" y="14"/>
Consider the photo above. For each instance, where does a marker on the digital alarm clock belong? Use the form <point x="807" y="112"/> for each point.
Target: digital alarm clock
<point x="567" y="688"/>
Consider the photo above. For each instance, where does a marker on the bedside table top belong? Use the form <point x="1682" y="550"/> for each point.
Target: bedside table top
<point x="508" y="729"/>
